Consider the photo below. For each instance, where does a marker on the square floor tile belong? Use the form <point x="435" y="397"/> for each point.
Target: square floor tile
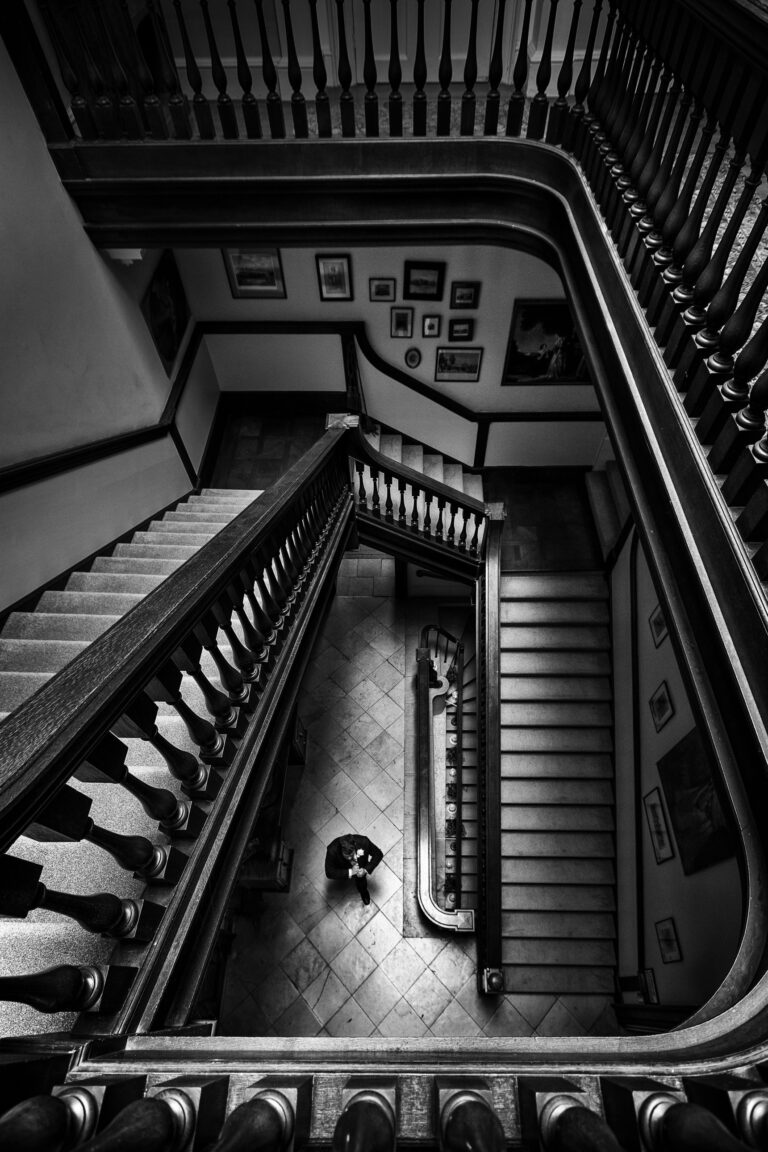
<point x="481" y="1008"/>
<point x="383" y="883"/>
<point x="346" y="711"/>
<point x="403" y="966"/>
<point x="340" y="789"/>
<point x="428" y="997"/>
<point x="350" y="1020"/>
<point x="377" y="995"/>
<point x="453" y="967"/>
<point x="386" y="711"/>
<point x="353" y="965"/>
<point x="298" y="1020"/>
<point x="533" y="1007"/>
<point x="395" y="812"/>
<point x="384" y="748"/>
<point x="383" y="790"/>
<point x="303" y="964"/>
<point x="507" y="1021"/>
<point x="275" y="994"/>
<point x="360" y="811"/>
<point x="361" y="768"/>
<point x="325" y="995"/>
<point x="366" y="694"/>
<point x="330" y="936"/>
<point x="402" y="1021"/>
<point x="559" y="1022"/>
<point x="394" y="854"/>
<point x="365" y="730"/>
<point x="428" y="947"/>
<point x="387" y="643"/>
<point x="586" y="1009"/>
<point x="386" y="676"/>
<point x="455" y="1021"/>
<point x="379" y="937"/>
<point x="393" y="910"/>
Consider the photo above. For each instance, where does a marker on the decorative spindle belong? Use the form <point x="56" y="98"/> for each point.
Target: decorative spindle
<point x="201" y="731"/>
<point x="439" y="527"/>
<point x="573" y="136"/>
<point x="269" y="72"/>
<point x="401" y="513"/>
<point x="752" y="418"/>
<point x="415" y="490"/>
<point x="169" y="77"/>
<point x="346" y="99"/>
<point x="420" y="75"/>
<point x="388" y="505"/>
<point x="224" y="103"/>
<point x="298" y="103"/>
<point x="104" y="110"/>
<point x="67" y="988"/>
<point x="375" y="499"/>
<point x="565" y="1124"/>
<point x="726" y="298"/>
<point x="495" y="72"/>
<point x="248" y="102"/>
<point x="700" y="254"/>
<point x="520" y="77"/>
<point x="266" y="1121"/>
<point x="371" y="102"/>
<point x="200" y="105"/>
<point x="451" y="533"/>
<point x="367" y="1122"/>
<point x="128" y="111"/>
<point x="474" y="542"/>
<point x="72" y="82"/>
<point x="591" y="122"/>
<point x="320" y="76"/>
<point x="40" y="1124"/>
<point x="444" y="74"/>
<point x="751" y="360"/>
<point x="468" y="99"/>
<point x="684" y="1126"/>
<point x="559" y="111"/>
<point x="149" y="1125"/>
<point x="395" y="75"/>
<point x="467" y="1122"/>
<point x="362" y="498"/>
<point x="196" y="779"/>
<point x="426" y="527"/>
<point x="537" y="115"/>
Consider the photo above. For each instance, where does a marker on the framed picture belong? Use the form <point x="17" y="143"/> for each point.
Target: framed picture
<point x="255" y="272"/>
<point x="334" y="276"/>
<point x="669" y="945"/>
<point x="657" y="826"/>
<point x="424" y="280"/>
<point x="648" y="989"/>
<point x="543" y="344"/>
<point x="166" y="310"/>
<point x="465" y="293"/>
<point x="401" y="322"/>
<point x="413" y="358"/>
<point x="430" y="326"/>
<point x="704" y="836"/>
<point x="662" y="708"/>
<point x="658" y="626"/>
<point x="460" y="331"/>
<point x="461" y="365"/>
<point x="381" y="288"/>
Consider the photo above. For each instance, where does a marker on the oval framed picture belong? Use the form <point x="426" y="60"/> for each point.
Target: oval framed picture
<point x="413" y="357"/>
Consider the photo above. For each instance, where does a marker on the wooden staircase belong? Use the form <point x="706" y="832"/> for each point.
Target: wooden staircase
<point x="557" y="816"/>
<point x="421" y="459"/>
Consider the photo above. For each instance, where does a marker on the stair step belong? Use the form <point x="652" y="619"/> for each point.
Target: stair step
<point x="554" y="636"/>
<point x="558" y="979"/>
<point x="392" y="445"/>
<point x="38" y="655"/>
<point x="112" y="582"/>
<point x="91" y="603"/>
<point x="413" y="456"/>
<point x="556" y="740"/>
<point x="473" y="485"/>
<point x="193" y="540"/>
<point x="546" y="870"/>
<point x="555" y="688"/>
<point x="224" y="512"/>
<point x="16" y="687"/>
<point x="558" y="818"/>
<point x="228" y="493"/>
<point x="554" y="586"/>
<point x="590" y="663"/>
<point x="519" y="765"/>
<point x="433" y="467"/>
<point x="547" y="951"/>
<point x="556" y="845"/>
<point x="556" y="715"/>
<point x="155" y="551"/>
<point x="141" y="565"/>
<point x="453" y="476"/>
<point x="185" y="528"/>
<point x="557" y="897"/>
<point x="56" y="626"/>
<point x="553" y="612"/>
<point x="549" y="792"/>
<point x="554" y="924"/>
<point x="186" y="515"/>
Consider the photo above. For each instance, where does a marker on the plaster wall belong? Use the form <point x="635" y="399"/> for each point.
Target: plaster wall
<point x="538" y="444"/>
<point x="275" y="363"/>
<point x="197" y="407"/>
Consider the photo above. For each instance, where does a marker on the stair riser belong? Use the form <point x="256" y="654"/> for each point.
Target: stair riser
<point x="556" y="818"/>
<point x="554" y="924"/>
<point x="557" y="897"/>
<point x="584" y="845"/>
<point x="556" y="715"/>
<point x="543" y="636"/>
<point x="554" y="586"/>
<point x="557" y="612"/>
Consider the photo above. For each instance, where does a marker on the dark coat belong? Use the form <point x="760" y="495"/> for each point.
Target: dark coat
<point x="337" y="867"/>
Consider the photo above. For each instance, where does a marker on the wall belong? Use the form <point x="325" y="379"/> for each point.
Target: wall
<point x="73" y="337"/>
<point x="708" y="943"/>
<point x="197" y="406"/>
<point x="295" y="363"/>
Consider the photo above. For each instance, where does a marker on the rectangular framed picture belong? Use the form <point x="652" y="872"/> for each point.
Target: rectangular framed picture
<point x="459" y="365"/>
<point x="658" y="626"/>
<point x="255" y="272"/>
<point x="465" y="293"/>
<point x="657" y="826"/>
<point x="381" y="288"/>
<point x="401" y="322"/>
<point x="423" y="280"/>
<point x="165" y="309"/>
<point x="662" y="708"/>
<point x="460" y="330"/>
<point x="543" y="344"/>
<point x="702" y="831"/>
<point x="334" y="276"/>
<point x="430" y="326"/>
<point x="669" y="945"/>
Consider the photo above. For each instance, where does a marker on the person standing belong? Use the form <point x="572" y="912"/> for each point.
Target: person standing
<point x="354" y="857"/>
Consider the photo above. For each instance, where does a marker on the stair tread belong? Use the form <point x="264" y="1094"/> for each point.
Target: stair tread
<point x="40" y="655"/>
<point x="56" y="625"/>
<point x="432" y="466"/>
<point x="557" y="897"/>
<point x="549" y="870"/>
<point x="556" y="740"/>
<point x="559" y="818"/>
<point x="558" y="713"/>
<point x="570" y="637"/>
<point x="16" y="687"/>
<point x="155" y="550"/>
<point x="546" y="792"/>
<point x="152" y="566"/>
<point x="597" y="845"/>
<point x="453" y="476"/>
<point x="521" y="950"/>
<point x="413" y="456"/>
<point x="473" y="485"/>
<point x="113" y="582"/>
<point x="553" y="586"/>
<point x="558" y="765"/>
<point x="571" y="688"/>
<point x="392" y="445"/>
<point x="554" y="924"/>
<point x="193" y="539"/>
<point x="555" y="663"/>
<point x="185" y="528"/>
<point x="91" y="603"/>
<point x="553" y="611"/>
<point x="558" y="979"/>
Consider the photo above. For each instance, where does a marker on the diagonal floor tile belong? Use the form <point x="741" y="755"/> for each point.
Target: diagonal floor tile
<point x="350" y="1020"/>
<point x="377" y="995"/>
<point x="402" y="1021"/>
<point x="428" y="997"/>
<point x="379" y="936"/>
<point x="403" y="966"/>
<point x="325" y="995"/>
<point x="353" y="965"/>
<point x="303" y="964"/>
<point x="455" y="1021"/>
<point x="330" y="936"/>
<point x="507" y="1021"/>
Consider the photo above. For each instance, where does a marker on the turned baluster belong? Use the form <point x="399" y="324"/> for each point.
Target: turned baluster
<point x="269" y="72"/>
<point x="751" y="419"/>
<point x="187" y="659"/>
<point x="639" y="170"/>
<point x="537" y="116"/>
<point x="166" y="686"/>
<point x="162" y="1123"/>
<point x="281" y="590"/>
<point x="444" y="74"/>
<point x="69" y="75"/>
<point x="469" y="1124"/>
<point x="263" y="582"/>
<point x="66" y="988"/>
<point x="178" y="105"/>
<point x="284" y="581"/>
<point x="346" y="99"/>
<point x="248" y="102"/>
<point x="415" y="490"/>
<point x="388" y="505"/>
<point x="668" y="1124"/>
<point x="66" y="819"/>
<point x="516" y="105"/>
<point x="138" y="722"/>
<point x="468" y="98"/>
<point x="21" y="893"/>
<point x="450" y="535"/>
<point x="375" y="499"/>
<point x="617" y="91"/>
<point x="726" y="299"/>
<point x="200" y="105"/>
<point x="648" y="182"/>
<point x="439" y="526"/>
<point x="558" y="113"/>
<point x="298" y="103"/>
<point x="591" y="121"/>
<point x="128" y="111"/>
<point x="735" y="332"/>
<point x="371" y="99"/>
<point x="39" y="1124"/>
<point x="224" y="103"/>
<point x="566" y="1126"/>
<point x="320" y="76"/>
<point x="426" y="528"/>
<point x="104" y="111"/>
<point x="637" y="103"/>
<point x="362" y="499"/>
<point x="252" y="634"/>
<point x="401" y="485"/>
<point x="573" y="136"/>
<point x="395" y="75"/>
<point x="367" y="1124"/>
<point x="463" y="533"/>
<point x="265" y="1122"/>
<point x="748" y="426"/>
<point x="495" y="72"/>
<point x="231" y="678"/>
<point x="420" y="75"/>
<point x="106" y="764"/>
<point x="473" y="544"/>
<point x="291" y="563"/>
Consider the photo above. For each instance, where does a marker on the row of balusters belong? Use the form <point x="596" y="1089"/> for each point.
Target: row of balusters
<point x="416" y="508"/>
<point x="189" y="1112"/>
<point x="120" y="89"/>
<point x="254" y="613"/>
<point x="674" y="143"/>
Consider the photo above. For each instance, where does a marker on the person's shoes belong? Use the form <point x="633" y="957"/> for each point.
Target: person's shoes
<point x="366" y="896"/>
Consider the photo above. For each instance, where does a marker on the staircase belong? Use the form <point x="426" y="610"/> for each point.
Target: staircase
<point x="433" y="464"/>
<point x="468" y="830"/>
<point x="35" y="645"/>
<point x="557" y="817"/>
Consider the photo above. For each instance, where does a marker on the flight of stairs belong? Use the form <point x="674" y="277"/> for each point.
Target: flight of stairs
<point x="468" y="770"/>
<point x="557" y="817"/>
<point x="421" y="459"/>
<point x="35" y="645"/>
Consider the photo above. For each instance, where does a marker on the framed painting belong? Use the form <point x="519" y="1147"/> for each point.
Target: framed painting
<point x="657" y="625"/>
<point x="657" y="826"/>
<point x="381" y="288"/>
<point x="430" y="326"/>
<point x="461" y="330"/>
<point x="424" y="280"/>
<point x="703" y="834"/>
<point x="401" y="322"/>
<point x="465" y="293"/>
<point x="543" y="344"/>
<point x="669" y="945"/>
<point x="334" y="276"/>
<point x="662" y="708"/>
<point x="165" y="309"/>
<point x="255" y="272"/>
<point x="460" y="365"/>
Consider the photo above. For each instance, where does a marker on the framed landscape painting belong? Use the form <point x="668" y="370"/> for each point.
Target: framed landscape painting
<point x="423" y="280"/>
<point x="703" y="833"/>
<point x="334" y="277"/>
<point x="543" y="344"/>
<point x="255" y="272"/>
<point x="461" y="365"/>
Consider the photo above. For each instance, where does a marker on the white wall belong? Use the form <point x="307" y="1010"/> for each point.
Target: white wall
<point x="72" y="337"/>
<point x="197" y="407"/>
<point x="273" y="363"/>
<point x="544" y="443"/>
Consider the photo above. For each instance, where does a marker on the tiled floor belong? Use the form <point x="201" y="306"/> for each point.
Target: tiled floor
<point x="316" y="961"/>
